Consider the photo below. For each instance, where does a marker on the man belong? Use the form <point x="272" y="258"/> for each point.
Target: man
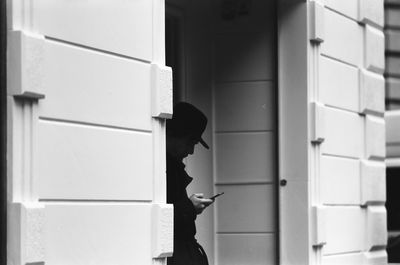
<point x="184" y="131"/>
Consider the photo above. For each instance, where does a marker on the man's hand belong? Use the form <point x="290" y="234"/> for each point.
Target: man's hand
<point x="199" y="202"/>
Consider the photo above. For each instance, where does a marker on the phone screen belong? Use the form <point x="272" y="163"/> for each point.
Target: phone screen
<point x="216" y="195"/>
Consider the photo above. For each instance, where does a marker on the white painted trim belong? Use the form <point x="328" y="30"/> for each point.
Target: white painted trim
<point x="392" y="162"/>
<point x="294" y="145"/>
<point x="317" y="12"/>
<point x="163" y="215"/>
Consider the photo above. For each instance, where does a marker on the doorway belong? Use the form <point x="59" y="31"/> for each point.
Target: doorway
<point x="3" y="133"/>
<point x="223" y="54"/>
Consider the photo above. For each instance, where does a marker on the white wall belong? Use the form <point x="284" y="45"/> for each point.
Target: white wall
<point x="347" y="168"/>
<point x="86" y="138"/>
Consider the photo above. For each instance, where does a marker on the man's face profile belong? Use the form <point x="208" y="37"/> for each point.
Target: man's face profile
<point x="185" y="146"/>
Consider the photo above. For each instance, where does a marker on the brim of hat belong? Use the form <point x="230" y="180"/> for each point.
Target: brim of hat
<point x="204" y="143"/>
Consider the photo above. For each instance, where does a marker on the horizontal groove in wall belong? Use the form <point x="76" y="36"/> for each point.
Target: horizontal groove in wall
<point x="341" y="205"/>
<point x="376" y="159"/>
<point x="341" y="14"/>
<point x="245" y="183"/>
<point x="245" y="233"/>
<point x="88" y="124"/>
<point x="354" y="205"/>
<point x="343" y="253"/>
<point x="89" y="48"/>
<point x="343" y="110"/>
<point x="392" y="27"/>
<point x="386" y="75"/>
<point x="339" y="108"/>
<point x="392" y="144"/>
<point x="392" y="53"/>
<point x="244" y="82"/>
<point x="340" y="156"/>
<point x="338" y="60"/>
<point x="346" y="206"/>
<point x="249" y="132"/>
<point x="391" y="100"/>
<point x="68" y="201"/>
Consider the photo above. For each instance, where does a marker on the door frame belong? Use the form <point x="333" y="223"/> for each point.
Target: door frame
<point x="293" y="133"/>
<point x="3" y="133"/>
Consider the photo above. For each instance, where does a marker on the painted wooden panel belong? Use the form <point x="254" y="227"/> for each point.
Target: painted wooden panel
<point x="343" y="38"/>
<point x="245" y="157"/>
<point x="85" y="162"/>
<point x="340" y="92"/>
<point x="347" y="8"/>
<point x="114" y="25"/>
<point x="392" y="40"/>
<point x="245" y="106"/>
<point x="344" y="134"/>
<point x="250" y="59"/>
<point x="345" y="229"/>
<point x="86" y="86"/>
<point x="246" y="208"/>
<point x="246" y="249"/>
<point x="101" y="234"/>
<point x="341" y="259"/>
<point x="392" y="65"/>
<point x="340" y="176"/>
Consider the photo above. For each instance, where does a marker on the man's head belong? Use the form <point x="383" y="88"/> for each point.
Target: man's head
<point x="184" y="130"/>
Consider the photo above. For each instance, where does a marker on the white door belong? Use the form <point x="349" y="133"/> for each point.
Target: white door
<point x="88" y="95"/>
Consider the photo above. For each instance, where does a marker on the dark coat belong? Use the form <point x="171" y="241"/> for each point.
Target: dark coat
<point x="186" y="249"/>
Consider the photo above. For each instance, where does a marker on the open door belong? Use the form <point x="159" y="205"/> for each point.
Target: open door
<point x="88" y="95"/>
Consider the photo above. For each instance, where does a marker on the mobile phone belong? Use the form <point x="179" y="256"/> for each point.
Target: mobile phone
<point x="216" y="195"/>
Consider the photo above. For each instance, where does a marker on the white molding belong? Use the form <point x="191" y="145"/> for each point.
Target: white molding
<point x="294" y="145"/>
<point x="374" y="49"/>
<point x="26" y="233"/>
<point x="371" y="12"/>
<point x="317" y="123"/>
<point x="161" y="83"/>
<point x="158" y="32"/>
<point x="163" y="230"/>
<point x="319" y="225"/>
<point x="372" y="93"/>
<point x="376" y="230"/>
<point x="375" y="137"/>
<point x="373" y="182"/>
<point x="317" y="17"/>
<point x="25" y="65"/>
<point x="392" y="162"/>
<point x="392" y="119"/>
<point x="22" y="116"/>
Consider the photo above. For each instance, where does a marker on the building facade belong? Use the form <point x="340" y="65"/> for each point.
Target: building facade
<point x="295" y="95"/>
<point x="392" y="34"/>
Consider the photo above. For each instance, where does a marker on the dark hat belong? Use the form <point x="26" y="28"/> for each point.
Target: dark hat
<point x="187" y="120"/>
